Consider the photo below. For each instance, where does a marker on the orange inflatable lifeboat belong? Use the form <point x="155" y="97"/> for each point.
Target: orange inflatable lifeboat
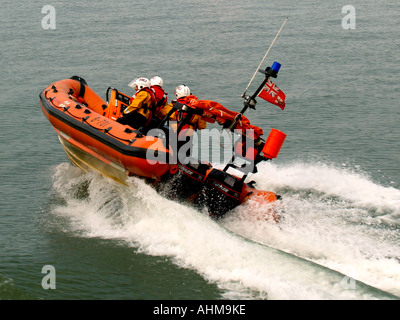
<point x="93" y="139"/>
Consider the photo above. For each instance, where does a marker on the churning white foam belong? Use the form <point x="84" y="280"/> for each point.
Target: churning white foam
<point x="333" y="232"/>
<point x="336" y="217"/>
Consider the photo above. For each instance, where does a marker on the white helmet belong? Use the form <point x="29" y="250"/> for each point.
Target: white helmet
<point x="139" y="83"/>
<point x="157" y="81"/>
<point x="182" y="91"/>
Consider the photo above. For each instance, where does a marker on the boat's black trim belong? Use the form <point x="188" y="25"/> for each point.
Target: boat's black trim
<point x="101" y="136"/>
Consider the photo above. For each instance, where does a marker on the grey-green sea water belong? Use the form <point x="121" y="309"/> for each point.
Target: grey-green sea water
<point x="338" y="171"/>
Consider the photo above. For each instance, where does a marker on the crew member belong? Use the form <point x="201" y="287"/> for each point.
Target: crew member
<point x="184" y="136"/>
<point x="139" y="111"/>
<point x="183" y="96"/>
<point x="156" y="84"/>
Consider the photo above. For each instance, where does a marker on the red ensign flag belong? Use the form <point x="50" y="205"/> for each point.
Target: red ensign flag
<point x="273" y="94"/>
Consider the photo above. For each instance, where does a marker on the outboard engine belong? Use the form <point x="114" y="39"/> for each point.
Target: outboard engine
<point x="221" y="193"/>
<point x="188" y="182"/>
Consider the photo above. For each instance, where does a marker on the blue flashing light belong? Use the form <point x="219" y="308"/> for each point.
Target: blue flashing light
<point x="276" y="66"/>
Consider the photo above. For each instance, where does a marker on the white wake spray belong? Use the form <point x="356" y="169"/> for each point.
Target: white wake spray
<point x="334" y="216"/>
<point x="316" y="225"/>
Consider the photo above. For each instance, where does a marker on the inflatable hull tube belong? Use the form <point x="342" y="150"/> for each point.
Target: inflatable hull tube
<point x="78" y="115"/>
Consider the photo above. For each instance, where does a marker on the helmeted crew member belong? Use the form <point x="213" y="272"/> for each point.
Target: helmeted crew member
<point x="182" y="94"/>
<point x="157" y="83"/>
<point x="139" y="111"/>
<point x="184" y="137"/>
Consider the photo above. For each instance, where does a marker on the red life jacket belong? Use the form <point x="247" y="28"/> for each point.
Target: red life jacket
<point x="180" y="115"/>
<point x="160" y="96"/>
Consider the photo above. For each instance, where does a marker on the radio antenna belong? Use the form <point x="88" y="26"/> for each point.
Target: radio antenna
<point x="265" y="56"/>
